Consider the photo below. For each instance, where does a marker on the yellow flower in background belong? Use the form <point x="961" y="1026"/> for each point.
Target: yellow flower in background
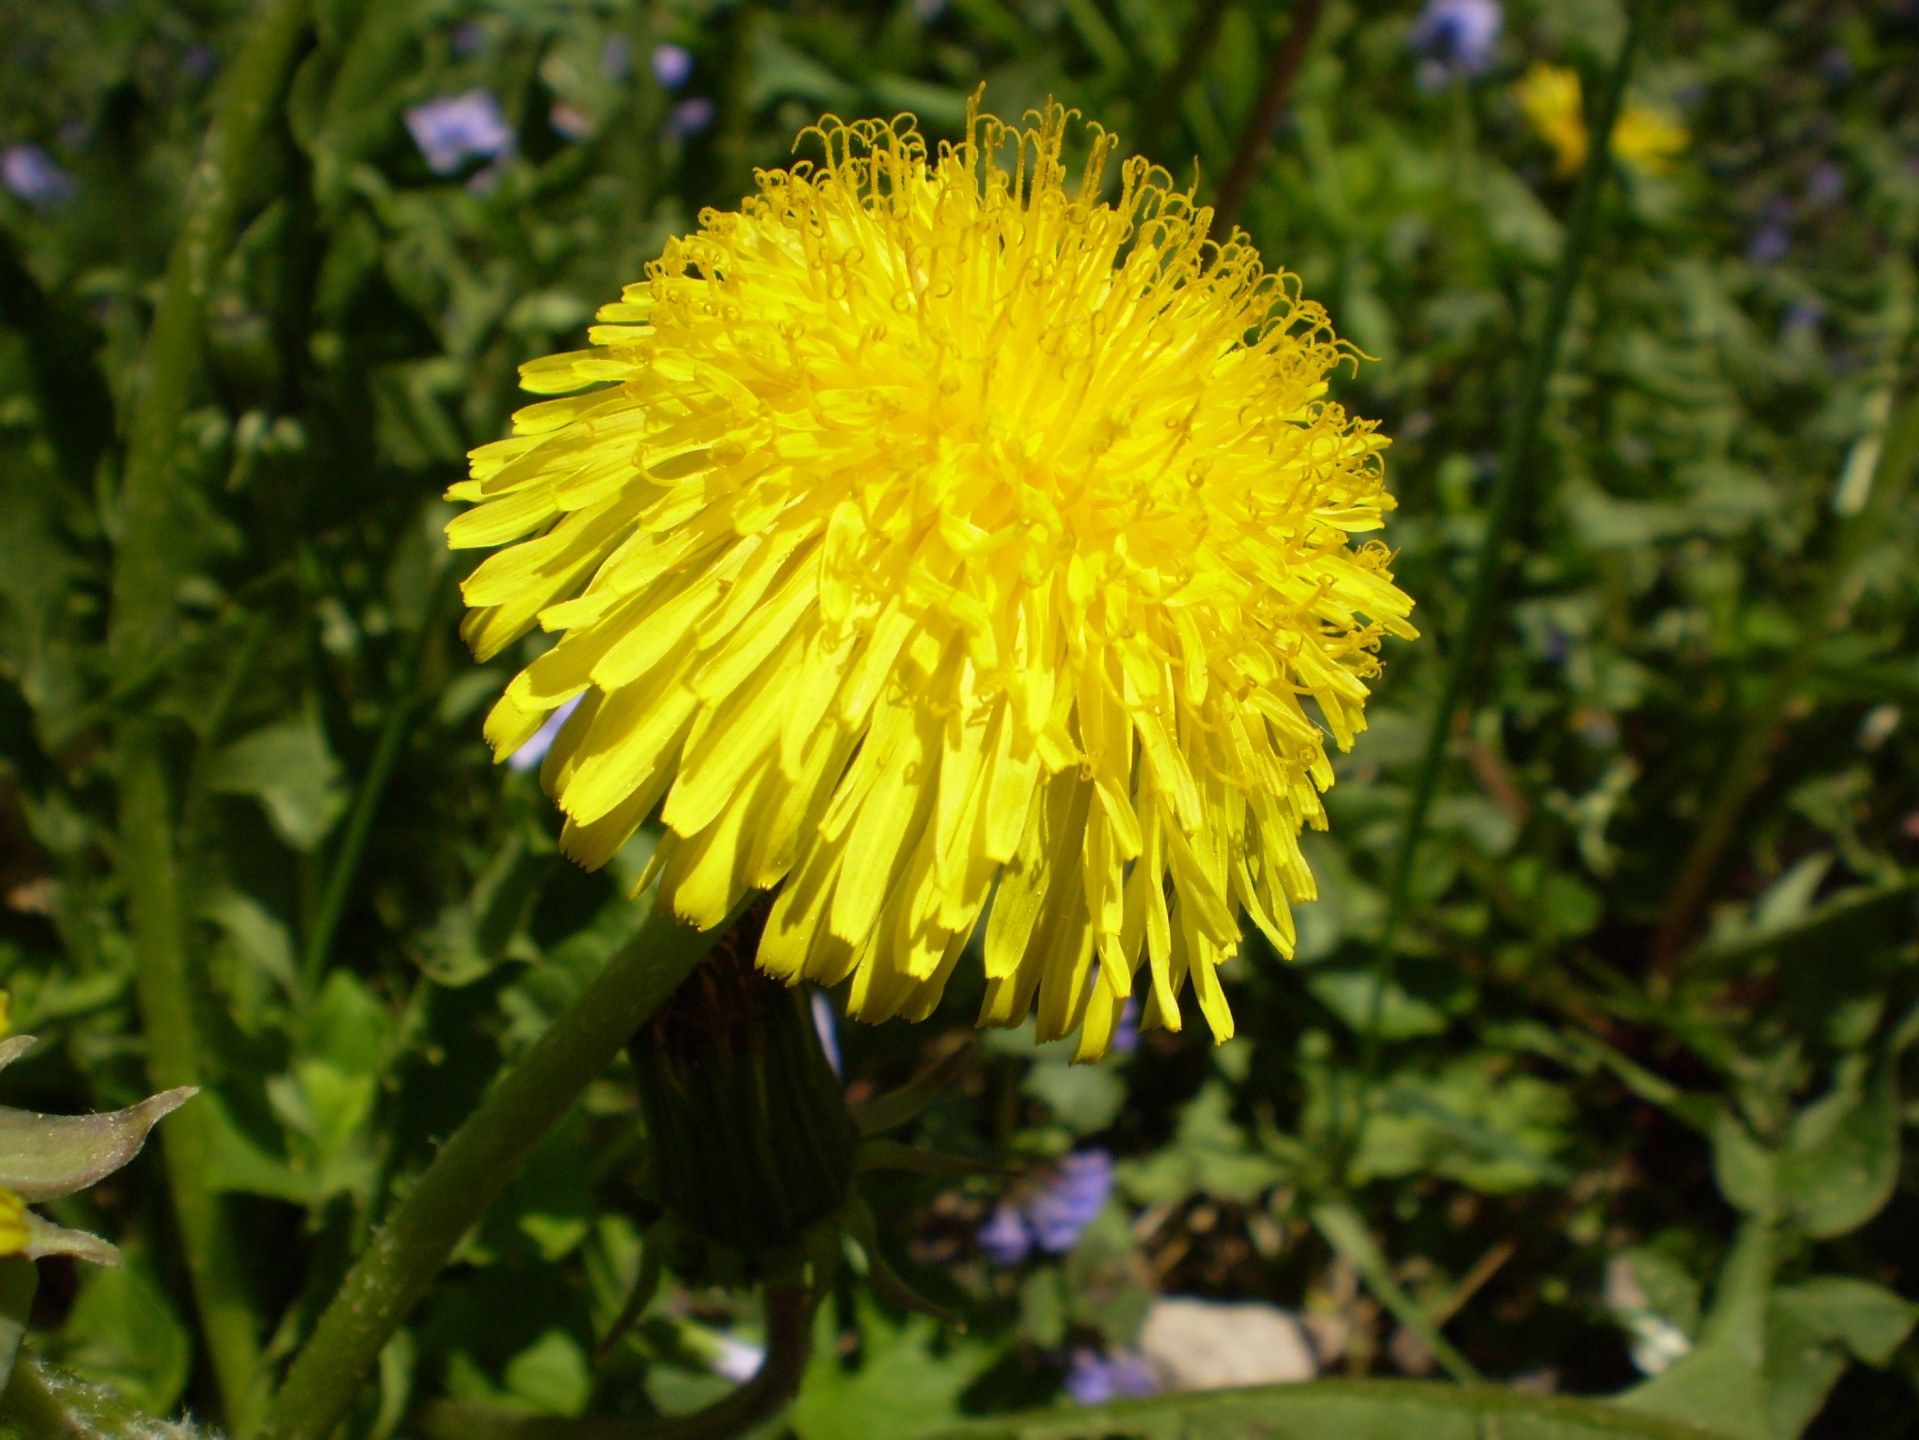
<point x="1550" y="97"/>
<point x="940" y="531"/>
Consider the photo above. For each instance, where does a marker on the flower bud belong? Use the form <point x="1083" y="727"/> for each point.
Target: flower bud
<point x="750" y="1139"/>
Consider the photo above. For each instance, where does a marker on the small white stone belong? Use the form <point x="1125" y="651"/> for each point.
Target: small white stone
<point x="1195" y="1344"/>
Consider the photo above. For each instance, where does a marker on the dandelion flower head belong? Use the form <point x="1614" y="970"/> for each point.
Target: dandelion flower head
<point x="931" y="531"/>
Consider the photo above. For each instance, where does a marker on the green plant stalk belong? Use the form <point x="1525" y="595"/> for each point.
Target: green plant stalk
<point x="144" y="621"/>
<point x="145" y="572"/>
<point x="1503" y="513"/>
<point x="486" y="1151"/>
<point x="366" y="800"/>
<point x="1745" y="766"/>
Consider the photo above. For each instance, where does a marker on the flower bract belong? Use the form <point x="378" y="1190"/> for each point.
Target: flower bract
<point x="944" y="526"/>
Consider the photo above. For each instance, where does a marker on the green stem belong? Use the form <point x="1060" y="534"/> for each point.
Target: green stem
<point x="146" y="568"/>
<point x="144" y="620"/>
<point x="1503" y="513"/>
<point x="386" y="1282"/>
<point x="165" y="989"/>
<point x="366" y="800"/>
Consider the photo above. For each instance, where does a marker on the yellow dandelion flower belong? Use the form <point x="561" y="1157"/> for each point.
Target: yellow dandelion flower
<point x="1643" y="137"/>
<point x="939" y="531"/>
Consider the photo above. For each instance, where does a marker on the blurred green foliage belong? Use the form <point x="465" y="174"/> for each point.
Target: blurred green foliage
<point x="1620" y="1141"/>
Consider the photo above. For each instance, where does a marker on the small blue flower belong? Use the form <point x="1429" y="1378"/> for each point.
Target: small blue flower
<point x="1095" y="1379"/>
<point x="456" y="128"/>
<point x="31" y="174"/>
<point x="1459" y="34"/>
<point x="692" y="116"/>
<point x="1066" y="1206"/>
<point x="1053" y="1215"/>
<point x="1004" y="1239"/>
<point x="1126" y="1033"/>
<point x="529" y="755"/>
<point x="672" y="65"/>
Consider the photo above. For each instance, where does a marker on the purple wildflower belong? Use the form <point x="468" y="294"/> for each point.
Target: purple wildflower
<point x="1066" y="1206"/>
<point x="199" y="61"/>
<point x="929" y="10"/>
<point x="534" y="750"/>
<point x="692" y="116"/>
<point x="456" y="128"/>
<point x="1094" y="1379"/>
<point x="1459" y="34"/>
<point x="30" y="173"/>
<point x="1126" y="1033"/>
<point x="672" y="65"/>
<point x="1052" y="1216"/>
<point x="1004" y="1239"/>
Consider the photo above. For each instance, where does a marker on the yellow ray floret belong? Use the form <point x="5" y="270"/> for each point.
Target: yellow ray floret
<point x="931" y="530"/>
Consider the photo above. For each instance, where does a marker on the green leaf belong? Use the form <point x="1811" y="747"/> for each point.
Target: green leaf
<point x="1812" y="1328"/>
<point x="906" y="1382"/>
<point x="551" y="1375"/>
<point x="1210" y="1155"/>
<point x="288" y="768"/>
<point x="1840" y="1162"/>
<point x="1722" y="1382"/>
<point x="1868" y="1319"/>
<point x="1339" y="1410"/>
<point x="124" y="1333"/>
<point x="1083" y="1098"/>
